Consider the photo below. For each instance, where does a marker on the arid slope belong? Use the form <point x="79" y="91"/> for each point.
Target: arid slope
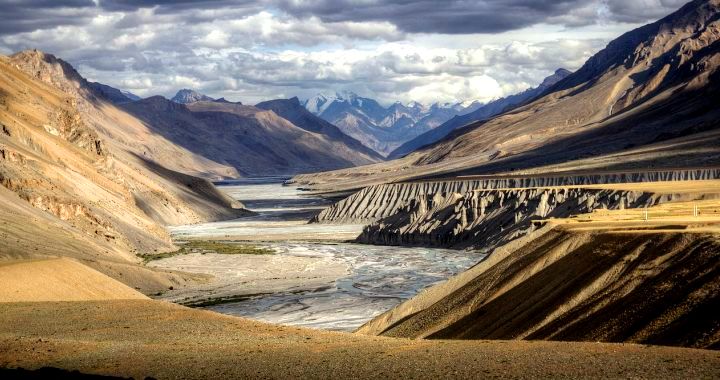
<point x="251" y="140"/>
<point x="70" y="189"/>
<point x="615" y="276"/>
<point x="139" y="337"/>
<point x="55" y="280"/>
<point x="648" y="100"/>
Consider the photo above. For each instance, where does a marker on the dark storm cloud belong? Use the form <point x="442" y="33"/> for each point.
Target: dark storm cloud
<point x="169" y="6"/>
<point x="260" y="49"/>
<point x="428" y="16"/>
<point x="412" y="16"/>
<point x="641" y="11"/>
<point x="27" y="15"/>
<point x="481" y="16"/>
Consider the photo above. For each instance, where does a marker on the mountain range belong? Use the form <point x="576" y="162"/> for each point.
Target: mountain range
<point x="480" y="112"/>
<point x="647" y="100"/>
<point x="382" y="128"/>
<point x="253" y="141"/>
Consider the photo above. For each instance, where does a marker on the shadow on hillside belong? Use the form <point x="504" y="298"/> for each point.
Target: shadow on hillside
<point x="52" y="373"/>
<point x="682" y="115"/>
<point x="231" y="138"/>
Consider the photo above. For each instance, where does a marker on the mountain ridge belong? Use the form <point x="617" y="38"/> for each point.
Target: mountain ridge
<point x="377" y="127"/>
<point x="484" y="111"/>
<point x="645" y="101"/>
<point x="292" y="110"/>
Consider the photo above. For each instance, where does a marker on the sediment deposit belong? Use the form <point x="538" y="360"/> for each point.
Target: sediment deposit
<point x="378" y="201"/>
<point x="485" y="213"/>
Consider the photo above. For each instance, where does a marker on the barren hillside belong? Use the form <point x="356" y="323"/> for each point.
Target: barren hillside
<point x="613" y="276"/>
<point x="251" y="140"/>
<point x="648" y="100"/>
<point x="68" y="183"/>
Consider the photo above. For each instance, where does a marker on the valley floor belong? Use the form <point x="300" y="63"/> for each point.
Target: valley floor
<point x="112" y="330"/>
<point x="142" y="338"/>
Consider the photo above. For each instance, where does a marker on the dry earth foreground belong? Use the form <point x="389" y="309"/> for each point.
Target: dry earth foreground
<point x="126" y="335"/>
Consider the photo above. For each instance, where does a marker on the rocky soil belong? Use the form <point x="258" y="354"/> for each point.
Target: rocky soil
<point x="140" y="338"/>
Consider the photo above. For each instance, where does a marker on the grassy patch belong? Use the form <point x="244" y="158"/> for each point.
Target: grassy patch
<point x="209" y="246"/>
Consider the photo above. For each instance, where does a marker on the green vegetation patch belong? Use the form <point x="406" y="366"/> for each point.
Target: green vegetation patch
<point x="209" y="246"/>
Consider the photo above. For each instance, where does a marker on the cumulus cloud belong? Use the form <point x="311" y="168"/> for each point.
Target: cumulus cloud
<point x="253" y="50"/>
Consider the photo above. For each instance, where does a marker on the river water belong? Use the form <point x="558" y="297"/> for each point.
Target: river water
<point x="362" y="281"/>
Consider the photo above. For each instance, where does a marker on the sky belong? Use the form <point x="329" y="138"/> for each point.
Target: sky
<point x="253" y="50"/>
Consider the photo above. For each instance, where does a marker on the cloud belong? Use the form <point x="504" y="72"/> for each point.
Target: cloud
<point x="639" y="11"/>
<point x="256" y="50"/>
<point x="418" y="16"/>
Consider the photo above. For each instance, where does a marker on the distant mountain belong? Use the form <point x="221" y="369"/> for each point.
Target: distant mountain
<point x="187" y="96"/>
<point x="255" y="141"/>
<point x="112" y="94"/>
<point x="480" y="112"/>
<point x="647" y="101"/>
<point x="379" y="128"/>
<point x="293" y="111"/>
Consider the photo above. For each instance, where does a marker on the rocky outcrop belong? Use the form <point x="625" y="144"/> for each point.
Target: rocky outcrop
<point x="486" y="219"/>
<point x="187" y="96"/>
<point x="380" y="201"/>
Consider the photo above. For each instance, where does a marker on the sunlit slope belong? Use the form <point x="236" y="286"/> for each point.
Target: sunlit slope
<point x="647" y="275"/>
<point x="67" y="190"/>
<point x="648" y="100"/>
<point x="54" y="280"/>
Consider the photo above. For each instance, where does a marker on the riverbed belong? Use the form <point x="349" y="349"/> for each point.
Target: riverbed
<point x="315" y="278"/>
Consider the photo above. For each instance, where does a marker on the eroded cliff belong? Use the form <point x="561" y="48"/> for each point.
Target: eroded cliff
<point x="484" y="213"/>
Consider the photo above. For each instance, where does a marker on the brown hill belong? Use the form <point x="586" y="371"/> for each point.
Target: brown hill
<point x="118" y="128"/>
<point x="56" y="280"/>
<point x="70" y="188"/>
<point x="251" y="140"/>
<point x="606" y="284"/>
<point x="647" y="100"/>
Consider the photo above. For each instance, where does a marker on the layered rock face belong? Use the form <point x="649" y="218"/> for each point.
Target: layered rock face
<point x="485" y="213"/>
<point x="486" y="219"/>
<point x="380" y="201"/>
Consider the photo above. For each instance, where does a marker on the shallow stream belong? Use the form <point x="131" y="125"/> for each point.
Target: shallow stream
<point x="374" y="279"/>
